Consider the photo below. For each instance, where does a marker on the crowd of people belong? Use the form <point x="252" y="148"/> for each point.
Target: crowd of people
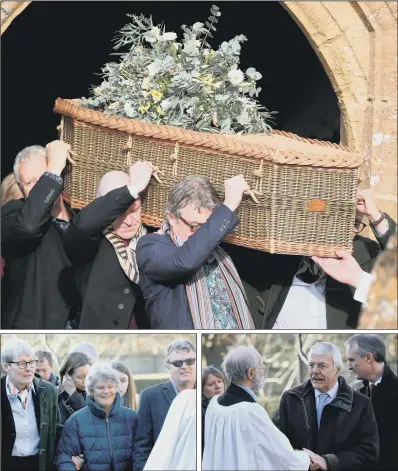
<point x="320" y="424"/>
<point x="100" y="268"/>
<point x="94" y="419"/>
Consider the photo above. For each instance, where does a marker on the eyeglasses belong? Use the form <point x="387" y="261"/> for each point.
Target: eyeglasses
<point x="179" y="363"/>
<point x="359" y="226"/>
<point x="23" y="364"/>
<point x="191" y="226"/>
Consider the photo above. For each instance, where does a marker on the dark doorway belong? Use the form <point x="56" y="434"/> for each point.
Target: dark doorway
<point x="55" y="49"/>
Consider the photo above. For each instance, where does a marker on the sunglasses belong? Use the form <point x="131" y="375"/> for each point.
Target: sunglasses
<point x="179" y="363"/>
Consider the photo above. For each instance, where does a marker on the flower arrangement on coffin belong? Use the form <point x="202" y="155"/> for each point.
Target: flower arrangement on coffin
<point x="181" y="83"/>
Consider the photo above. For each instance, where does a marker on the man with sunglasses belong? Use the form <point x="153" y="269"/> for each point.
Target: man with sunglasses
<point x="29" y="412"/>
<point x="187" y="280"/>
<point x="155" y="401"/>
<point x="101" y="242"/>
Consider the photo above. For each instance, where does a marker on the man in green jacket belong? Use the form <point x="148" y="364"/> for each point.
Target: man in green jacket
<point x="29" y="412"/>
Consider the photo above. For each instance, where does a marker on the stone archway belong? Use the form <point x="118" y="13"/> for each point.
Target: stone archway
<point x="357" y="45"/>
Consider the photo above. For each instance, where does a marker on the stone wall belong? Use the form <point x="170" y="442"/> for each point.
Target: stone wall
<point x="357" y="45"/>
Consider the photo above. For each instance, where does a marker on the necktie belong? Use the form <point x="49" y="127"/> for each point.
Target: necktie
<point x="320" y="405"/>
<point x="371" y="388"/>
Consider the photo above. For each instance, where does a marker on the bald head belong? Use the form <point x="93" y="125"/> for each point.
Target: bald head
<point x="110" y="181"/>
<point x="238" y="361"/>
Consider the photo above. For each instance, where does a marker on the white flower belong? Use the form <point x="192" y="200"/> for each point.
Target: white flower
<point x="168" y="36"/>
<point x="129" y="110"/>
<point x="145" y="83"/>
<point x="152" y="35"/>
<point x="235" y="76"/>
<point x="192" y="46"/>
<point x="166" y="104"/>
<point x="97" y="91"/>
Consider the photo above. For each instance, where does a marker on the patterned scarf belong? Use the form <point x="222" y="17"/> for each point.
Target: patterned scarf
<point x="198" y="291"/>
<point x="126" y="255"/>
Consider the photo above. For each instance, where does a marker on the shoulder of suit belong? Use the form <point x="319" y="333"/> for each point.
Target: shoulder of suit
<point x="154" y="238"/>
<point x="360" y="397"/>
<point x="154" y="389"/>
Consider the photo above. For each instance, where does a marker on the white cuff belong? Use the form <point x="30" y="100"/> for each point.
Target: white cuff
<point x="133" y="192"/>
<point x="361" y="293"/>
<point x="380" y="234"/>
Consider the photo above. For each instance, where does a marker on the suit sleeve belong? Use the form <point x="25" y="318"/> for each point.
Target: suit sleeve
<point x="27" y="221"/>
<point x="383" y="239"/>
<point x="144" y="435"/>
<point x="68" y="446"/>
<point x="162" y="262"/>
<point x="85" y="229"/>
<point x="365" y="453"/>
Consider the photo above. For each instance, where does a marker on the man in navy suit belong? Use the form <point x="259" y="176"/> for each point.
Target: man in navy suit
<point x="155" y="401"/>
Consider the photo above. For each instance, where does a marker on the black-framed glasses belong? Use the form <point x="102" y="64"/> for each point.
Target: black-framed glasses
<point x="359" y="226"/>
<point x="179" y="363"/>
<point x="23" y="364"/>
<point x="191" y="226"/>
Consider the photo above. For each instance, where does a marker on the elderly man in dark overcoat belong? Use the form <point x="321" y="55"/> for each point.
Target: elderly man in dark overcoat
<point x="327" y="417"/>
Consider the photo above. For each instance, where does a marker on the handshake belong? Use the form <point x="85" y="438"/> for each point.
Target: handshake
<point x="316" y="461"/>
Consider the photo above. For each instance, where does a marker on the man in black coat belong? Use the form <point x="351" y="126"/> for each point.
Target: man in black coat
<point x="101" y="241"/>
<point x="30" y="421"/>
<point x="366" y="356"/>
<point x="38" y="290"/>
<point x="277" y="284"/>
<point x="155" y="401"/>
<point x="327" y="417"/>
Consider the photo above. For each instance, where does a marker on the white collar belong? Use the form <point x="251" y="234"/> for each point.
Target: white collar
<point x="332" y="393"/>
<point x="376" y="382"/>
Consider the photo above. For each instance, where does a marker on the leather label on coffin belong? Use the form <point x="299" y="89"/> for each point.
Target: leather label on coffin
<point x="317" y="205"/>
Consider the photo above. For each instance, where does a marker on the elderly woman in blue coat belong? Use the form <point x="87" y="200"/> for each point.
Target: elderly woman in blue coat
<point x="102" y="431"/>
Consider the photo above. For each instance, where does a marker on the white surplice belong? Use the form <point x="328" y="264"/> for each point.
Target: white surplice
<point x="243" y="437"/>
<point x="175" y="448"/>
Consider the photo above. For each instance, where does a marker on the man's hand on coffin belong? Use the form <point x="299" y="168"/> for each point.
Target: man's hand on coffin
<point x="366" y="206"/>
<point x="234" y="189"/>
<point x="57" y="154"/>
<point x="140" y="174"/>
<point x="344" y="269"/>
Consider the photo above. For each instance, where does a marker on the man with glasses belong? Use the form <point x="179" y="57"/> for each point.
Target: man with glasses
<point x="188" y="281"/>
<point x="29" y="412"/>
<point x="326" y="417"/>
<point x="155" y="401"/>
<point x="38" y="290"/>
<point x="101" y="243"/>
<point x="239" y="434"/>
<point x="296" y="292"/>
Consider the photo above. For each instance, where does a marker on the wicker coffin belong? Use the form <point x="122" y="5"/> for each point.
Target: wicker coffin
<point x="304" y="191"/>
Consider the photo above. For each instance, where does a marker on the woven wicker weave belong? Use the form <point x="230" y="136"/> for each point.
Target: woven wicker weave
<point x="305" y="189"/>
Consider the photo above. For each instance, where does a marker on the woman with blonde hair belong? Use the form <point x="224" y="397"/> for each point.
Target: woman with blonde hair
<point x="126" y="384"/>
<point x="10" y="189"/>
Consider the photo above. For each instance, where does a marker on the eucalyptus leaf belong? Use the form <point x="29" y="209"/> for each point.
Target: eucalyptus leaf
<point x="213" y="19"/>
<point x="215" y="7"/>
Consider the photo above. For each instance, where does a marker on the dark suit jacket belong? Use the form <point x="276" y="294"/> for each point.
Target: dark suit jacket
<point x="109" y="297"/>
<point x="154" y="404"/>
<point x="267" y="279"/>
<point x="47" y="418"/>
<point x="38" y="289"/>
<point x="347" y="438"/>
<point x="165" y="268"/>
<point x="385" y="405"/>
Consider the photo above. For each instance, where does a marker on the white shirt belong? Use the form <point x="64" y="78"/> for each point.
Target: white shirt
<point x="242" y="436"/>
<point x="27" y="440"/>
<point x="305" y="305"/>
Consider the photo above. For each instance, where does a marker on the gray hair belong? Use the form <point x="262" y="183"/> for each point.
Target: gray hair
<point x="14" y="349"/>
<point x="44" y="355"/>
<point x="179" y="345"/>
<point x="194" y="190"/>
<point x="97" y="373"/>
<point x="26" y="154"/>
<point x="368" y="343"/>
<point x="238" y="361"/>
<point x="327" y="348"/>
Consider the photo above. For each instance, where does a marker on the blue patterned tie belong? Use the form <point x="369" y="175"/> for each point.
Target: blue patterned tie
<point x="320" y="405"/>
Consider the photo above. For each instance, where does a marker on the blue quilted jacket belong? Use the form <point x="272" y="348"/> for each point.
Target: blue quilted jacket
<point x="107" y="444"/>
